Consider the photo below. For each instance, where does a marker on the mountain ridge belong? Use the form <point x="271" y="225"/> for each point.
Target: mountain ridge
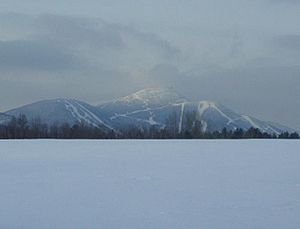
<point x="143" y="109"/>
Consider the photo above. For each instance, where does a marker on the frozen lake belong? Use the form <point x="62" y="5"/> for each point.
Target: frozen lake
<point x="150" y="184"/>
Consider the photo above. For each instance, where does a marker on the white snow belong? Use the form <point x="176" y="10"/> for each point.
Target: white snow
<point x="202" y="107"/>
<point x="252" y="123"/>
<point x="151" y="119"/>
<point x="91" y="114"/>
<point x="230" y="120"/>
<point x="203" y="125"/>
<point x="116" y="115"/>
<point x="153" y="95"/>
<point x="89" y="117"/>
<point x="269" y="128"/>
<point x="150" y="184"/>
<point x="181" y="118"/>
<point x="73" y="109"/>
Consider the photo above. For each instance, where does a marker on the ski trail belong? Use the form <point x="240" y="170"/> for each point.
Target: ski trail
<point x="181" y="118"/>
<point x="252" y="123"/>
<point x="272" y="129"/>
<point x="230" y="120"/>
<point x="203" y="126"/>
<point x="75" y="113"/>
<point x="202" y="107"/>
<point x="266" y="128"/>
<point x="95" y="117"/>
<point x="151" y="119"/>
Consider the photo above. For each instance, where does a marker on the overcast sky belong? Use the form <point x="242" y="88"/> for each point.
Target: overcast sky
<point x="244" y="54"/>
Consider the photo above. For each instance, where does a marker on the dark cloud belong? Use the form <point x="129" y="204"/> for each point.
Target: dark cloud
<point x="53" y="42"/>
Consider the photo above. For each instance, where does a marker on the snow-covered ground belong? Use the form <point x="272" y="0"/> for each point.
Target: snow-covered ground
<point x="150" y="184"/>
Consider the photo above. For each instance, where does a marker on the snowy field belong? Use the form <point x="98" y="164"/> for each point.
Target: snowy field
<point x="247" y="184"/>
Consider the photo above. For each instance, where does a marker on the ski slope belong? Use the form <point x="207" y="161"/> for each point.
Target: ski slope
<point x="150" y="184"/>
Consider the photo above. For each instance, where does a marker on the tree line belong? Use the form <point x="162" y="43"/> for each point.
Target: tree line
<point x="191" y="128"/>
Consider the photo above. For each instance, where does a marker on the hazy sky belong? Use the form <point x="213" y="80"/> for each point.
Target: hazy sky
<point x="244" y="54"/>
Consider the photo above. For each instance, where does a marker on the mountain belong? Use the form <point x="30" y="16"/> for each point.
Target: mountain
<point x="4" y="118"/>
<point x="154" y="106"/>
<point x="149" y="107"/>
<point x="61" y="111"/>
<point x="144" y="108"/>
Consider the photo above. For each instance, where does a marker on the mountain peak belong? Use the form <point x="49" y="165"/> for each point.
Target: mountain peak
<point x="208" y="103"/>
<point x="158" y="95"/>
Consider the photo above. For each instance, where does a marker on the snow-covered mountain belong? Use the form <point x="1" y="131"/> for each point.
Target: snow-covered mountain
<point x="61" y="111"/>
<point x="145" y="108"/>
<point x="155" y="106"/>
<point x="4" y="118"/>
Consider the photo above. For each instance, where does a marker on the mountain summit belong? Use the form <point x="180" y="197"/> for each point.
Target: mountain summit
<point x="153" y="96"/>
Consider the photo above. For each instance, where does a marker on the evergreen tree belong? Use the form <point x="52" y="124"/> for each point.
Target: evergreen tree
<point x="12" y="128"/>
<point x="284" y="135"/>
<point x="294" y="135"/>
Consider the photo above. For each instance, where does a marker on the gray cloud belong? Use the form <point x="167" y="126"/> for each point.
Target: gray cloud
<point x="285" y="1"/>
<point x="30" y="55"/>
<point x="285" y="50"/>
<point x="290" y="42"/>
<point x="80" y="57"/>
<point x="76" y="31"/>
